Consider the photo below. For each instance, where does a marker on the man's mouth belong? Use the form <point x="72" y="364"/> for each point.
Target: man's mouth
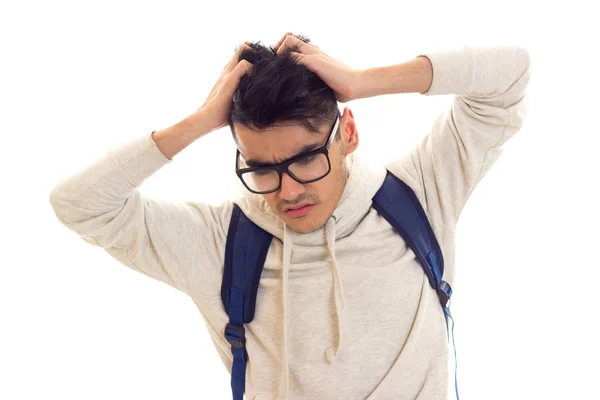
<point x="299" y="211"/>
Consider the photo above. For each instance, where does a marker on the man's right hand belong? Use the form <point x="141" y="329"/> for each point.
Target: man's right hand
<point x="211" y="116"/>
<point x="218" y="104"/>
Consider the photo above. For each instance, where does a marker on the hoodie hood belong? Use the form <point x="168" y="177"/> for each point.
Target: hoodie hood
<point x="364" y="179"/>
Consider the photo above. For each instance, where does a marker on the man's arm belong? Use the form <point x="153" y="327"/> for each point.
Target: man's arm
<point x="178" y="243"/>
<point x="467" y="138"/>
<point x="172" y="140"/>
<point x="489" y="85"/>
<point x="414" y="76"/>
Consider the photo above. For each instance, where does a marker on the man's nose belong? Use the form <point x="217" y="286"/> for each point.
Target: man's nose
<point x="290" y="188"/>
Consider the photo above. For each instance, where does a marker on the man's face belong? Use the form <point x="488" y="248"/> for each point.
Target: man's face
<point x="276" y="145"/>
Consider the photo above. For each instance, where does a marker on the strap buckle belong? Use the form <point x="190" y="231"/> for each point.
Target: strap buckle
<point x="235" y="335"/>
<point x="444" y="292"/>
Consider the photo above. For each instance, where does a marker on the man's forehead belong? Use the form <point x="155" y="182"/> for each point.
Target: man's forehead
<point x="276" y="145"/>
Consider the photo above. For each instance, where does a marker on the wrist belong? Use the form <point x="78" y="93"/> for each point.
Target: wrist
<point x="365" y="84"/>
<point x="197" y="124"/>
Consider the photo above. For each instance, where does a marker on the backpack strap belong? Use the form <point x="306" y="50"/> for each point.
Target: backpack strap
<point x="245" y="254"/>
<point x="399" y="205"/>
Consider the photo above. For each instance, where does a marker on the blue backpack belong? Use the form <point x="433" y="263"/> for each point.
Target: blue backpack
<point x="246" y="251"/>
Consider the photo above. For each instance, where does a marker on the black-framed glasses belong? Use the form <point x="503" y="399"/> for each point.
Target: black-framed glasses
<point x="303" y="168"/>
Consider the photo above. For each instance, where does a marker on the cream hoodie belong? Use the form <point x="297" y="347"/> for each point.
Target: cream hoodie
<point x="345" y="312"/>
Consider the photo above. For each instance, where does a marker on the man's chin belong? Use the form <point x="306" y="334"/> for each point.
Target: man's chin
<point x="302" y="229"/>
<point x="306" y="224"/>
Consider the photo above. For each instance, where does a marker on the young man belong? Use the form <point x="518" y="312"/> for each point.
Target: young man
<point x="344" y="309"/>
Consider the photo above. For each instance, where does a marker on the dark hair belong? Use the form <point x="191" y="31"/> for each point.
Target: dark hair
<point x="280" y="91"/>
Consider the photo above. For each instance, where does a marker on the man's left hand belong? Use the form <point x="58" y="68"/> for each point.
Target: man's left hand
<point x="343" y="80"/>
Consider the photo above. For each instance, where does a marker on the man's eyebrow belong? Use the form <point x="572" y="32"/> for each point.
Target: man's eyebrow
<point x="307" y="148"/>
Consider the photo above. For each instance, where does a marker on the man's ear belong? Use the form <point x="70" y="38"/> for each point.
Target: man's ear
<point x="349" y="134"/>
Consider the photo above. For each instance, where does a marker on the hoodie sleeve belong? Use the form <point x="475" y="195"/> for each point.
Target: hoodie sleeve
<point x="177" y="243"/>
<point x="467" y="138"/>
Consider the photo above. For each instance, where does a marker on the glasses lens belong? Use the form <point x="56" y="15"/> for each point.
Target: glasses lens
<point x="263" y="180"/>
<point x="311" y="168"/>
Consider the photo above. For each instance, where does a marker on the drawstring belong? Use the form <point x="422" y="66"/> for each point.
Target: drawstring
<point x="331" y="353"/>
<point x="287" y="257"/>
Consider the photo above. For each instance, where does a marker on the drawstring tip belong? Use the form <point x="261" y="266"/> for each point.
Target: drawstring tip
<point x="330" y="355"/>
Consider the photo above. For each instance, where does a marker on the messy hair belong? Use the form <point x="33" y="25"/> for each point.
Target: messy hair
<point x="280" y="91"/>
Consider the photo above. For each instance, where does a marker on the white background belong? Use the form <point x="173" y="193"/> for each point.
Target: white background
<point x="78" y="78"/>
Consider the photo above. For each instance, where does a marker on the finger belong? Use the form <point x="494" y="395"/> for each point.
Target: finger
<point x="304" y="47"/>
<point x="281" y="40"/>
<point x="307" y="60"/>
<point x="235" y="59"/>
<point x="231" y="64"/>
<point x="242" y="67"/>
<point x="233" y="78"/>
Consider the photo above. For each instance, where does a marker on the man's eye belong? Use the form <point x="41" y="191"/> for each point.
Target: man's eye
<point x="263" y="172"/>
<point x="307" y="160"/>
